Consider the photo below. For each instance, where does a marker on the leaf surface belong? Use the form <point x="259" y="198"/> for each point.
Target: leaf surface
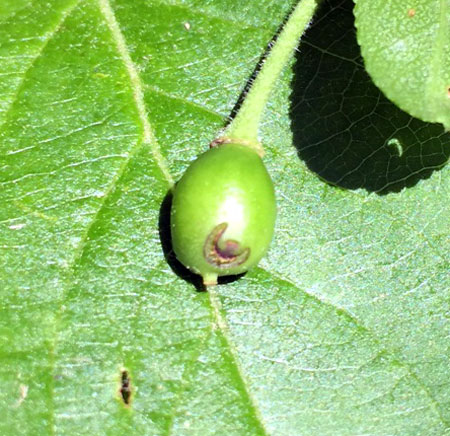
<point x="342" y="330"/>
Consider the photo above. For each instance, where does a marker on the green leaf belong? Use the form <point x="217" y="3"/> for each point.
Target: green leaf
<point x="342" y="330"/>
<point x="405" y="45"/>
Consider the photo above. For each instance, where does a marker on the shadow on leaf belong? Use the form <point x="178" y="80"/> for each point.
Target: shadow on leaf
<point x="166" y="242"/>
<point x="344" y="129"/>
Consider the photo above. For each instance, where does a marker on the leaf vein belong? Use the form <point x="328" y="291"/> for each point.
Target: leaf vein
<point x="221" y="322"/>
<point x="50" y="35"/>
<point x="389" y="350"/>
<point x="137" y="87"/>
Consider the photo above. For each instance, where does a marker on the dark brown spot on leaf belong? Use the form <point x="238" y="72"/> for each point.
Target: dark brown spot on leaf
<point x="125" y="387"/>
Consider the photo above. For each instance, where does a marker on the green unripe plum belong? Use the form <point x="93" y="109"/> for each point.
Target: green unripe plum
<point x="223" y="212"/>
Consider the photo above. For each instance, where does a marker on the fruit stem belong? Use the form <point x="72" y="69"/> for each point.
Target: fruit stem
<point x="244" y="128"/>
<point x="209" y="279"/>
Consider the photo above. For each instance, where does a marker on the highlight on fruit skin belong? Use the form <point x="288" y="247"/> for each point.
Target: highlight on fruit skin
<point x="223" y="212"/>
